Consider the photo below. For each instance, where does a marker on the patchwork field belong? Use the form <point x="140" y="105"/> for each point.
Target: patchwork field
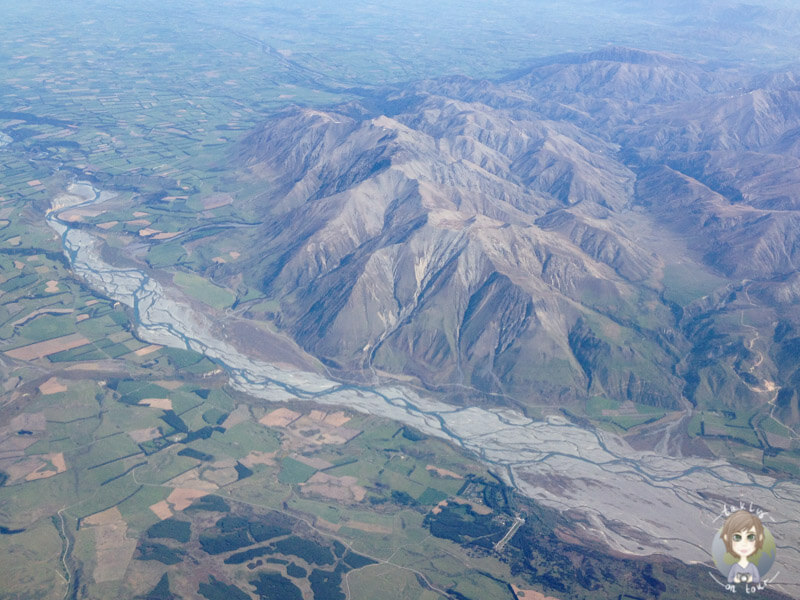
<point x="159" y="479"/>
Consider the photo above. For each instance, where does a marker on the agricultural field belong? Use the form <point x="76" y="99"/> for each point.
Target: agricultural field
<point x="162" y="481"/>
<point x="140" y="483"/>
<point x="150" y="466"/>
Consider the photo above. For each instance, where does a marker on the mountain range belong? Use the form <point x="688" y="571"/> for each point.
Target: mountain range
<point x="620" y="224"/>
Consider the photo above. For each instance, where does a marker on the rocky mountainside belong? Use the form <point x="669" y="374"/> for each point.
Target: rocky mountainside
<point x="620" y="224"/>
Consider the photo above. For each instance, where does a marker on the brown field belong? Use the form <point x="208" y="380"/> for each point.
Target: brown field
<point x="18" y="467"/>
<point x="52" y="287"/>
<point x="313" y="430"/>
<point x="147" y="350"/>
<point x="182" y="498"/>
<point x="138" y="222"/>
<point x="280" y="417"/>
<point x="107" y="224"/>
<point x="82" y="317"/>
<point x="217" y="201"/>
<point x="317" y="415"/>
<point x="165" y="235"/>
<point x="529" y="594"/>
<point x="343" y="489"/>
<point x="161" y="510"/>
<point x="52" y="386"/>
<point x="148" y="231"/>
<point x="169" y="384"/>
<point x="139" y="213"/>
<point x="78" y="214"/>
<point x="258" y="458"/>
<point x="438" y="508"/>
<point x="41" y="311"/>
<point x="443" y="472"/>
<point x="338" y="436"/>
<point x="337" y="419"/>
<point x="31" y="421"/>
<point x="105" y="517"/>
<point x="192" y="480"/>
<point x="162" y="403"/>
<point x="48" y="347"/>
<point x="48" y="462"/>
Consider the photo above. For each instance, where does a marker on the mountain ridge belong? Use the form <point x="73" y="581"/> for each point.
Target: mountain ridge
<point x="533" y="241"/>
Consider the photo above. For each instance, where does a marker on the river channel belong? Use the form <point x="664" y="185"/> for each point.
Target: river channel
<point x="637" y="502"/>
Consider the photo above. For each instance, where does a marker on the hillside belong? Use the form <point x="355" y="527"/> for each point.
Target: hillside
<point x="620" y="224"/>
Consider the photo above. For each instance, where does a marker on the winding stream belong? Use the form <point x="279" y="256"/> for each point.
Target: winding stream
<point x="637" y="502"/>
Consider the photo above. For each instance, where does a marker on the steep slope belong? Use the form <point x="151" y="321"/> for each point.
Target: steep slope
<point x="411" y="245"/>
<point x="597" y="225"/>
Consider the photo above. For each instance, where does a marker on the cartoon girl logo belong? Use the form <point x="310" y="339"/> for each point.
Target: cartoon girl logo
<point x="743" y="549"/>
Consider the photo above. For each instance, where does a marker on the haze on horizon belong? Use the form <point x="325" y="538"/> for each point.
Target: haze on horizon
<point x="374" y="43"/>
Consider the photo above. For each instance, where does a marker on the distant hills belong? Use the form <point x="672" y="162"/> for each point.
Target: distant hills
<point x="619" y="224"/>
